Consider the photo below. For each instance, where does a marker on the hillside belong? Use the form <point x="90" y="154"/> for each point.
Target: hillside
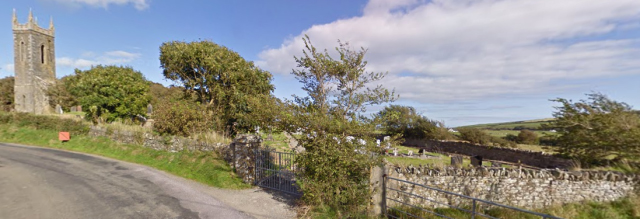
<point x="517" y="125"/>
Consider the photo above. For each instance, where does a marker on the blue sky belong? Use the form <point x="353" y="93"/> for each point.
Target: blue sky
<point x="458" y="61"/>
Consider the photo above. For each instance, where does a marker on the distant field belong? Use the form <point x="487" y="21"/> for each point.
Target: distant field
<point x="503" y="133"/>
<point x="530" y="124"/>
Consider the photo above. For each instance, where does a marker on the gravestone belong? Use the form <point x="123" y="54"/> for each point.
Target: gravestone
<point x="79" y="108"/>
<point x="378" y="142"/>
<point x="73" y="109"/>
<point x="149" y="109"/>
<point x="395" y="152"/>
<point x="495" y="164"/>
<point x="476" y="161"/>
<point x="421" y="151"/>
<point x="386" y="138"/>
<point x="59" y="109"/>
<point x="410" y="153"/>
<point x="456" y="161"/>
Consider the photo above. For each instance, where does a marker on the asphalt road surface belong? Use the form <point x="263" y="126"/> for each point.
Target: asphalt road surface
<point x="45" y="183"/>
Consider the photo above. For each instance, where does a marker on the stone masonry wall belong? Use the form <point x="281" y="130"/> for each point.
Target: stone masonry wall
<point x="156" y="142"/>
<point x="240" y="154"/>
<point x="526" y="188"/>
<point x="536" y="159"/>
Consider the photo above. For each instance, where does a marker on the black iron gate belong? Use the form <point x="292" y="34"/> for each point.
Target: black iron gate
<point x="276" y="170"/>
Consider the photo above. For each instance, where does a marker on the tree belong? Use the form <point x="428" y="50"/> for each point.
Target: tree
<point x="6" y="93"/>
<point x="474" y="135"/>
<point x="337" y="92"/>
<point x="217" y="76"/>
<point x="110" y="92"/>
<point x="59" y="93"/>
<point x="527" y="137"/>
<point x="596" y="129"/>
<point x="397" y="119"/>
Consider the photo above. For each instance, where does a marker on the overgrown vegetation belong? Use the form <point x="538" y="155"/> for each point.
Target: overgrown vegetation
<point x="336" y="166"/>
<point x="597" y="129"/>
<point x="6" y="93"/>
<point x="404" y="120"/>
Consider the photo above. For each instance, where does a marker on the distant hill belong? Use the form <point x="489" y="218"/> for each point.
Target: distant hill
<point x="517" y="125"/>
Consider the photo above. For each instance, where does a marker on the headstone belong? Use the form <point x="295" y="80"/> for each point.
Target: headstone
<point x="386" y="138"/>
<point x="476" y="161"/>
<point x="59" y="109"/>
<point x="395" y="152"/>
<point x="149" y="109"/>
<point x="410" y="153"/>
<point x="73" y="109"/>
<point x="378" y="142"/>
<point x="79" y="108"/>
<point x="421" y="151"/>
<point x="456" y="161"/>
<point x="495" y="164"/>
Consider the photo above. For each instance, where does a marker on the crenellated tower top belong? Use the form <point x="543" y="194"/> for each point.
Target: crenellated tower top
<point x="32" y="24"/>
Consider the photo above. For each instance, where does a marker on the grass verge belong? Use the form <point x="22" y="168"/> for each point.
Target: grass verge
<point x="204" y="167"/>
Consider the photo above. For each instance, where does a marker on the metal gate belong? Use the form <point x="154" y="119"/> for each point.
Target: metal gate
<point x="276" y="170"/>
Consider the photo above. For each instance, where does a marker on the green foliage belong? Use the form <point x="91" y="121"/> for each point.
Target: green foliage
<point x="217" y="76"/>
<point x="59" y="93"/>
<point x="160" y="93"/>
<point x="397" y="119"/>
<point x="336" y="169"/>
<point x="597" y="128"/>
<point x="6" y="93"/>
<point x="527" y="137"/>
<point x="111" y="92"/>
<point x="474" y="135"/>
<point x="178" y="117"/>
<point x="42" y="122"/>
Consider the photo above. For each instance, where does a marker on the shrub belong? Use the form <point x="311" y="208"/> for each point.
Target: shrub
<point x="474" y="135"/>
<point x="42" y="122"/>
<point x="182" y="118"/>
<point x="527" y="137"/>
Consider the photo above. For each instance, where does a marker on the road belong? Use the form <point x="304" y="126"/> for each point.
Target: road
<point x="45" y="183"/>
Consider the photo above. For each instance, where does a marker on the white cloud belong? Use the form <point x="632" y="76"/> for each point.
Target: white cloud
<point x="138" y="4"/>
<point x="90" y="59"/>
<point x="450" y="50"/>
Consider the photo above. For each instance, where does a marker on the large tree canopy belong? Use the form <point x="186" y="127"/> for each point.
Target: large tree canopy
<point x="111" y="92"/>
<point x="216" y="76"/>
<point x="398" y="119"/>
<point x="597" y="128"/>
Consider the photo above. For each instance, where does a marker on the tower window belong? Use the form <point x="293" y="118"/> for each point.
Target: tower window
<point x="42" y="54"/>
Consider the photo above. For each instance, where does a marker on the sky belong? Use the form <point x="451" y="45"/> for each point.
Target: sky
<point x="462" y="62"/>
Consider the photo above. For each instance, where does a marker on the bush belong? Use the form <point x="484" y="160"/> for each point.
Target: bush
<point x="42" y="122"/>
<point x="527" y="137"/>
<point x="183" y="118"/>
<point x="475" y="136"/>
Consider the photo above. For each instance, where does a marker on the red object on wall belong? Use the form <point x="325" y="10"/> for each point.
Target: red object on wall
<point x="64" y="136"/>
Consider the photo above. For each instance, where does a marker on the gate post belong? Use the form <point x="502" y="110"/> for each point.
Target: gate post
<point x="376" y="187"/>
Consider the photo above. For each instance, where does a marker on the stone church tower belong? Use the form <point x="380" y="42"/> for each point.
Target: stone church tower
<point x="34" y="64"/>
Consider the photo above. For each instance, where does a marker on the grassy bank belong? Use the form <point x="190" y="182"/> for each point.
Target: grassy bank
<point x="204" y="167"/>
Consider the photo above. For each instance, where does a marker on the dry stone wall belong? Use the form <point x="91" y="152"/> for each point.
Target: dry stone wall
<point x="173" y="143"/>
<point x="536" y="159"/>
<point x="526" y="188"/>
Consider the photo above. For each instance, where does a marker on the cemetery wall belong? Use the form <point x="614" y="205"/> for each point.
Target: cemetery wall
<point x="526" y="188"/>
<point x="167" y="143"/>
<point x="536" y="159"/>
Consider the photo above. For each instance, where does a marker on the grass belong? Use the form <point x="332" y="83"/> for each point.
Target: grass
<point x="204" y="167"/>
<point x="530" y="124"/>
<point x="279" y="142"/>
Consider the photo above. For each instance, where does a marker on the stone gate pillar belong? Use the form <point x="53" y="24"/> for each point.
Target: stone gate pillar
<point x="243" y="156"/>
